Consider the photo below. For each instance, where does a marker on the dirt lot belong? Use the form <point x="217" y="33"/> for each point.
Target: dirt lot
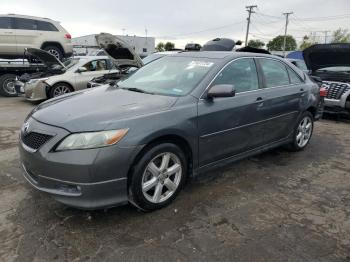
<point x="279" y="206"/>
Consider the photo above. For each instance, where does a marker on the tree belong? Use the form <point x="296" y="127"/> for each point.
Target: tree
<point x="169" y="46"/>
<point x="341" y="36"/>
<point x="256" y="43"/>
<point x="160" y="47"/>
<point x="306" y="43"/>
<point x="276" y="44"/>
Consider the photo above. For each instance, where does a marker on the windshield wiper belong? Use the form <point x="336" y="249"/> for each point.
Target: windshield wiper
<point x="135" y="89"/>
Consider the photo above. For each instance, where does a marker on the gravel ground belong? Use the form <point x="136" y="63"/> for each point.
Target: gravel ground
<point x="278" y="206"/>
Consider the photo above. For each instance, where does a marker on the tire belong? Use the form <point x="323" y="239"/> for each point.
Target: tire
<point x="7" y="85"/>
<point x="148" y="177"/>
<point x="54" y="50"/>
<point x="60" y="89"/>
<point x="302" y="134"/>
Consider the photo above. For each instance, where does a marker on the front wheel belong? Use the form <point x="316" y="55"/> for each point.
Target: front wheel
<point x="303" y="132"/>
<point x="158" y="177"/>
<point x="7" y="85"/>
<point x="60" y="89"/>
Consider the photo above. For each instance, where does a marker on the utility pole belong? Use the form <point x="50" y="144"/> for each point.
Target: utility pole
<point x="325" y="35"/>
<point x="285" y="31"/>
<point x="250" y="11"/>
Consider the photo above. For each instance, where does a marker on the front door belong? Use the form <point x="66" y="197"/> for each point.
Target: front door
<point x="94" y="68"/>
<point x="7" y="36"/>
<point x="230" y="126"/>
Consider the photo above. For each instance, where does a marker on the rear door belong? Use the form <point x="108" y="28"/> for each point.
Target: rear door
<point x="27" y="33"/>
<point x="7" y="36"/>
<point x="94" y="68"/>
<point x="230" y="126"/>
<point x="282" y="95"/>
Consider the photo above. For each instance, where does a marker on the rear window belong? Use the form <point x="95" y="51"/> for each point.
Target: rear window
<point x="25" y="24"/>
<point x="5" y="23"/>
<point x="46" y="26"/>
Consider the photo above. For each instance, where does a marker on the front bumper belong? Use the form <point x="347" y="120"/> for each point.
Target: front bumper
<point x="35" y="91"/>
<point x="86" y="179"/>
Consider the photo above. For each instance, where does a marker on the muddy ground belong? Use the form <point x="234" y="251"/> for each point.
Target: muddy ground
<point x="278" y="206"/>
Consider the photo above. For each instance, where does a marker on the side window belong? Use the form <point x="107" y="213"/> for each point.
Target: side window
<point x="25" y="24"/>
<point x="294" y="78"/>
<point x="275" y="72"/>
<point x="241" y="73"/>
<point x="46" y="26"/>
<point x="5" y="23"/>
<point x="96" y="65"/>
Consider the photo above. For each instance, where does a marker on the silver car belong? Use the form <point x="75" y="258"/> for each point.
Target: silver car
<point x="65" y="77"/>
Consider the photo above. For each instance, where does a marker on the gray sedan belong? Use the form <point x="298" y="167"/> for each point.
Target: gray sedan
<point x="174" y="118"/>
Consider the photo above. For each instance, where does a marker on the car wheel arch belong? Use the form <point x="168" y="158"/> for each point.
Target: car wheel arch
<point x="176" y="139"/>
<point x="50" y="86"/>
<point x="50" y="43"/>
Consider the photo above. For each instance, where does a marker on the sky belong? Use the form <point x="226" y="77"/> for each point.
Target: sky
<point x="187" y="21"/>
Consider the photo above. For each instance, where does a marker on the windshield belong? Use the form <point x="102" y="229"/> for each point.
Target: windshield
<point x="150" y="58"/>
<point x="173" y="76"/>
<point x="336" y="69"/>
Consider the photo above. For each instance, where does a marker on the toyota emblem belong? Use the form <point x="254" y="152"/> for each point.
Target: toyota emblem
<point x="26" y="127"/>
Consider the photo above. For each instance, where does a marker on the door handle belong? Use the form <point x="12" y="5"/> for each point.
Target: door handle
<point x="9" y="33"/>
<point x="259" y="99"/>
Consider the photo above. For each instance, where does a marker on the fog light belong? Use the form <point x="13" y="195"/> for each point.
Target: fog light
<point x="71" y="189"/>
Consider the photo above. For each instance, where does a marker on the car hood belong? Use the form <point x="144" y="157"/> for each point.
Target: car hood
<point x="327" y="55"/>
<point x="121" y="53"/>
<point x="99" y="108"/>
<point x="46" y="58"/>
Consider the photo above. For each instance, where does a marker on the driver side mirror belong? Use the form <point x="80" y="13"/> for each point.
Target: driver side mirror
<point x="82" y="69"/>
<point x="221" y="91"/>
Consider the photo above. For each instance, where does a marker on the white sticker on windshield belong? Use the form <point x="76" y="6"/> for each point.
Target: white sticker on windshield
<point x="194" y="64"/>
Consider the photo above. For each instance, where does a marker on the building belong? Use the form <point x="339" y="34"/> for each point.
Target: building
<point x="142" y="45"/>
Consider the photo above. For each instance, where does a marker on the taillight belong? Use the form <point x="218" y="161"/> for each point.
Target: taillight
<point x="68" y="36"/>
<point x="323" y="92"/>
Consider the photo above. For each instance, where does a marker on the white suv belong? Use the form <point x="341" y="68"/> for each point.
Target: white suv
<point x="18" y="32"/>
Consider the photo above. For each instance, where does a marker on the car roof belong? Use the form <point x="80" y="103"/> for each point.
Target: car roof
<point x="29" y="17"/>
<point x="222" y="54"/>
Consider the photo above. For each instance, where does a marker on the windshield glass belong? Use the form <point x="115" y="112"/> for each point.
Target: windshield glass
<point x="150" y="58"/>
<point x="173" y="76"/>
<point x="336" y="69"/>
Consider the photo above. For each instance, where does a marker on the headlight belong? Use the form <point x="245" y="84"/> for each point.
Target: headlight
<point x="33" y="81"/>
<point x="92" y="140"/>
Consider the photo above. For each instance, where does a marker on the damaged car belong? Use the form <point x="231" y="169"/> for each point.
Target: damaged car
<point x="61" y="77"/>
<point x="123" y="56"/>
<point x="331" y="63"/>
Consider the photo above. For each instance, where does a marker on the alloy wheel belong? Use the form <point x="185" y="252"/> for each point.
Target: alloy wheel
<point x="54" y="53"/>
<point x="61" y="90"/>
<point x="304" y="131"/>
<point x="161" y="177"/>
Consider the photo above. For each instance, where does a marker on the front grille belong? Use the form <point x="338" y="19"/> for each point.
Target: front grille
<point x="335" y="89"/>
<point x="35" y="140"/>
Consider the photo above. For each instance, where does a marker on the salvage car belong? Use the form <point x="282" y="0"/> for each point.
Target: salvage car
<point x="331" y="63"/>
<point x="184" y="114"/>
<point x="113" y="78"/>
<point x="62" y="77"/>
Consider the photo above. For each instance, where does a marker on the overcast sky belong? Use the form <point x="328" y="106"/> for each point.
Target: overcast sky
<point x="184" y="21"/>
